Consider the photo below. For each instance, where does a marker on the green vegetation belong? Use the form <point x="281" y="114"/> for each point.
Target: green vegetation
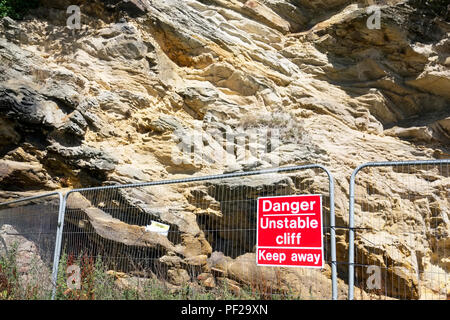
<point x="14" y="285"/>
<point x="16" y="9"/>
<point x="97" y="283"/>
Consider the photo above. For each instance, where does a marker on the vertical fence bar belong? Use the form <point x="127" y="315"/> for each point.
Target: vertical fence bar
<point x="351" y="238"/>
<point x="332" y="235"/>
<point x="351" y="259"/>
<point x="57" y="254"/>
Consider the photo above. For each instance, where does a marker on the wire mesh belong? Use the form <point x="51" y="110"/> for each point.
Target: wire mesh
<point x="401" y="228"/>
<point x="28" y="229"/>
<point x="209" y="249"/>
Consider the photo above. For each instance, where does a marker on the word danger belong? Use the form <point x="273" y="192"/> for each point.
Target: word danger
<point x="267" y="256"/>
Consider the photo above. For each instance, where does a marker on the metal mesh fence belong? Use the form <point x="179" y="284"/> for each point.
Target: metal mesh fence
<point x="209" y="248"/>
<point x="401" y="230"/>
<point x="28" y="229"/>
<point x="195" y="238"/>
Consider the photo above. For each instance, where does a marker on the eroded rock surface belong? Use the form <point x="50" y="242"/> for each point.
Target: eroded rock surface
<point x="114" y="102"/>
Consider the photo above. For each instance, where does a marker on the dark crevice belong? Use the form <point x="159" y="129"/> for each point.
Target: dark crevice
<point x="419" y="120"/>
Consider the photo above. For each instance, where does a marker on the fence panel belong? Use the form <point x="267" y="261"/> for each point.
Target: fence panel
<point x="399" y="230"/>
<point x="210" y="243"/>
<point x="28" y="229"/>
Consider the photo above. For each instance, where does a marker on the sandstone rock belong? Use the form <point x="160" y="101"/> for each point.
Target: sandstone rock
<point x="103" y="105"/>
<point x="195" y="246"/>
<point x="113" y="229"/>
<point x="412" y="133"/>
<point x="165" y="123"/>
<point x="218" y="263"/>
<point x="132" y="283"/>
<point x="178" y="276"/>
<point x="206" y="280"/>
<point x="29" y="108"/>
<point x="171" y="261"/>
<point x="199" y="260"/>
<point x="230" y="286"/>
<point x="270" y="280"/>
<point x="434" y="81"/>
<point x="289" y="12"/>
<point x="22" y="175"/>
<point x="84" y="157"/>
<point x="9" y="136"/>
<point x="132" y="7"/>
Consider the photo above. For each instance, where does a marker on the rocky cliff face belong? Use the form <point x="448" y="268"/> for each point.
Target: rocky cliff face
<point x="103" y="103"/>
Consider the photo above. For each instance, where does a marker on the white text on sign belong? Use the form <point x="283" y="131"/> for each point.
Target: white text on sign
<point x="266" y="255"/>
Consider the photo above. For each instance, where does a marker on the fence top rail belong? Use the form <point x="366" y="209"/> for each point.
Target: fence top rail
<point x="205" y="178"/>
<point x="40" y="196"/>
<point x="398" y="163"/>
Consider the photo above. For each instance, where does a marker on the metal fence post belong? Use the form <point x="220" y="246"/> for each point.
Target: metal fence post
<point x="333" y="239"/>
<point x="351" y="238"/>
<point x="57" y="254"/>
<point x="332" y="235"/>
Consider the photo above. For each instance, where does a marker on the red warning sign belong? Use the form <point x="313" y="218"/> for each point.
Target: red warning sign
<point x="289" y="231"/>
